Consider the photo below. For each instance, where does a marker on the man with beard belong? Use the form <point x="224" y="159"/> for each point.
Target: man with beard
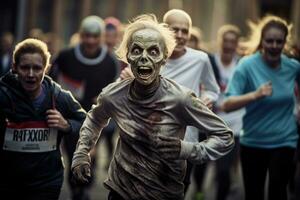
<point x="152" y="113"/>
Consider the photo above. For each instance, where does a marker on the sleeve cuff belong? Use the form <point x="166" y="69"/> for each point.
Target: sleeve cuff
<point x="213" y="96"/>
<point x="186" y="150"/>
<point x="80" y="159"/>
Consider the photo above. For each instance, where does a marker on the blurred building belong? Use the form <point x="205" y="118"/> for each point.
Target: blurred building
<point x="62" y="17"/>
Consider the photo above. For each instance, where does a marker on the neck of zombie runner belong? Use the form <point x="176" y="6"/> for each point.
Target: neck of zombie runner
<point x="140" y="91"/>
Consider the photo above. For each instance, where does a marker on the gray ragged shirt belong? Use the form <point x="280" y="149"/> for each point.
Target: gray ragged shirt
<point x="137" y="171"/>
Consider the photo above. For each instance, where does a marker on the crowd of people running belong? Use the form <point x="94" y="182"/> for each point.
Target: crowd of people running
<point x="177" y="106"/>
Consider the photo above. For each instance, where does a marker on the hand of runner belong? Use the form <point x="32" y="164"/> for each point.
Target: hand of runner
<point x="56" y="120"/>
<point x="169" y="147"/>
<point x="82" y="173"/>
<point x="126" y="73"/>
<point x="208" y="102"/>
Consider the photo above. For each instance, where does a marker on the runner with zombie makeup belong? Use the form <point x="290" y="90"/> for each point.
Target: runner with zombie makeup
<point x="152" y="113"/>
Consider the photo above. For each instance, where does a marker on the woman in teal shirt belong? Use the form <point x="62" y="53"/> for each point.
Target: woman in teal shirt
<point x="264" y="84"/>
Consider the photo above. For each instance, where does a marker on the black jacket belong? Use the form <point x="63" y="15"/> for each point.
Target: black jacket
<point x="33" y="168"/>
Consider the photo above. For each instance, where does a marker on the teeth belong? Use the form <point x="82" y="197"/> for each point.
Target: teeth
<point x="144" y="68"/>
<point x="144" y="71"/>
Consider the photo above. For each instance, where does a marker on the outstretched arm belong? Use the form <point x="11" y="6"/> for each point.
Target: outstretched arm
<point x="97" y="118"/>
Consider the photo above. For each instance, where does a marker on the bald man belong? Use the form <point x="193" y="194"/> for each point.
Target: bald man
<point x="190" y="68"/>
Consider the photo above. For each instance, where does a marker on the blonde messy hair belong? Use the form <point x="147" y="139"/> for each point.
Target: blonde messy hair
<point x="254" y="41"/>
<point x="141" y="22"/>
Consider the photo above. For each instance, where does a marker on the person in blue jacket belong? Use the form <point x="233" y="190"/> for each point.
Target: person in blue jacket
<point x="264" y="84"/>
<point x="35" y="113"/>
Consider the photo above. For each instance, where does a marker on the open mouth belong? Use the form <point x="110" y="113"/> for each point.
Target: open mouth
<point x="29" y="83"/>
<point x="274" y="53"/>
<point x="145" y="72"/>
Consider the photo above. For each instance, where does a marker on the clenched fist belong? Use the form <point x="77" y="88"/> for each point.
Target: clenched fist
<point x="264" y="90"/>
<point x="82" y="173"/>
<point x="56" y="120"/>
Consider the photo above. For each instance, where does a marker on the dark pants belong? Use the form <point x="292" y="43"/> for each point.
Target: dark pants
<point x="187" y="177"/>
<point x="33" y="194"/>
<point x="199" y="170"/>
<point x="223" y="168"/>
<point x="199" y="174"/>
<point x="112" y="195"/>
<point x="297" y="173"/>
<point x="256" y="162"/>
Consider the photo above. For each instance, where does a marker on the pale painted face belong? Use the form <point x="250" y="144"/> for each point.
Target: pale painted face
<point x="146" y="55"/>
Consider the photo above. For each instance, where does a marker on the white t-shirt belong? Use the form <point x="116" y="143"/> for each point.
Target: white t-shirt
<point x="233" y="119"/>
<point x="191" y="70"/>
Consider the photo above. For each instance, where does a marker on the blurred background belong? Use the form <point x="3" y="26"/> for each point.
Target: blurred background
<point x="61" y="18"/>
<point x="56" y="21"/>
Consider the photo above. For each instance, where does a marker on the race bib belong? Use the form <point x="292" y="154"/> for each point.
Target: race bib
<point x="33" y="136"/>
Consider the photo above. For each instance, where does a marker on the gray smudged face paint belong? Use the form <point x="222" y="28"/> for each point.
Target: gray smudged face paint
<point x="146" y="55"/>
